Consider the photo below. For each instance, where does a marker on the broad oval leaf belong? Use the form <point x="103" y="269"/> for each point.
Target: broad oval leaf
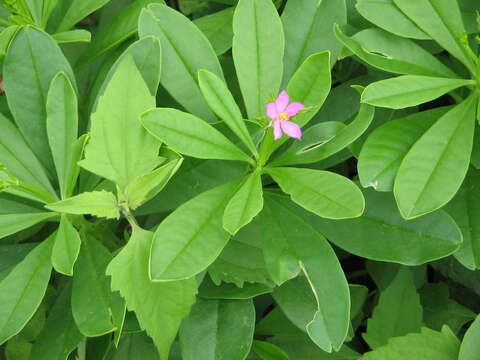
<point x="409" y="90"/>
<point x="184" y="245"/>
<point x="32" y="61"/>
<point x="324" y="193"/>
<point x="383" y="151"/>
<point x="382" y="234"/>
<point x="191" y="136"/>
<point x="66" y="247"/>
<point x="218" y="329"/>
<point x="159" y="307"/>
<point x="434" y="168"/>
<point x="386" y="15"/>
<point x="22" y="291"/>
<point x="258" y="47"/>
<point x="245" y="204"/>
<point x="182" y="58"/>
<point x="393" y="54"/>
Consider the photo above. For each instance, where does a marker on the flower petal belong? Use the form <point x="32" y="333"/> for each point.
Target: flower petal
<point x="272" y="111"/>
<point x="282" y="101"/>
<point x="294" y="108"/>
<point x="277" y="130"/>
<point x="291" y="129"/>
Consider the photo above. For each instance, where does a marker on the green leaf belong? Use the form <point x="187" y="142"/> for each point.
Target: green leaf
<point x="221" y="101"/>
<point x="60" y="335"/>
<point x="245" y="204"/>
<point x="322" y="192"/>
<point x="313" y="34"/>
<point x="185" y="244"/>
<point x="147" y="186"/>
<point x="120" y="149"/>
<point x="22" y="291"/>
<point x="32" y="61"/>
<point x="217" y="27"/>
<point x="412" y="242"/>
<point x="135" y="346"/>
<point x="19" y="159"/>
<point x="12" y="223"/>
<point x="183" y="58"/>
<point x="385" y="148"/>
<point x="426" y="345"/>
<point x="328" y="324"/>
<point x="267" y="351"/>
<point x="96" y="309"/>
<point x="241" y="262"/>
<point x="393" y="53"/>
<point x="62" y="130"/>
<point x="96" y="203"/>
<point x="409" y="90"/>
<point x="189" y="135"/>
<point x="147" y="54"/>
<point x="78" y="10"/>
<point x="208" y="290"/>
<point x="442" y="21"/>
<point x="386" y="15"/>
<point x="218" y="329"/>
<point x="73" y="36"/>
<point x="434" y="168"/>
<point x="311" y="151"/>
<point x="398" y="312"/>
<point x="11" y="255"/>
<point x="120" y="28"/>
<point x="66" y="248"/>
<point x="469" y="347"/>
<point x="159" y="307"/>
<point x="258" y="47"/>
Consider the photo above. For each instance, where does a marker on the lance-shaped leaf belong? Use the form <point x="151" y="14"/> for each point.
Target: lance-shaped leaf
<point x="120" y="149"/>
<point x="464" y="208"/>
<point x="12" y="223"/>
<point x="96" y="203"/>
<point x="385" y="148"/>
<point x="159" y="307"/>
<point x="60" y="336"/>
<point x="22" y="291"/>
<point x="218" y="329"/>
<point x="382" y="234"/>
<point x="73" y="36"/>
<point x="267" y="351"/>
<point x="435" y="166"/>
<point x="223" y="104"/>
<point x="442" y="21"/>
<point x="245" y="204"/>
<point x="258" y="47"/>
<point x="78" y="10"/>
<point x="468" y="348"/>
<point x="148" y="186"/>
<point x="32" y="61"/>
<point x="189" y="135"/>
<point x="393" y="53"/>
<point x="327" y="325"/>
<point x="62" y="130"/>
<point x="324" y="193"/>
<point x="409" y="90"/>
<point x="20" y="160"/>
<point x="183" y="58"/>
<point x="314" y="33"/>
<point x="217" y="27"/>
<point x="386" y="15"/>
<point x="96" y="309"/>
<point x="317" y="148"/>
<point x="66" y="247"/>
<point x="398" y="312"/>
<point x="185" y="244"/>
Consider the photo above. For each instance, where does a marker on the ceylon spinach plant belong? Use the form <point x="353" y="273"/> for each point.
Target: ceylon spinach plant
<point x="185" y="170"/>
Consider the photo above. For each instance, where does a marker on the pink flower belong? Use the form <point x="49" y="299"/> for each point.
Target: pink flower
<point x="280" y="112"/>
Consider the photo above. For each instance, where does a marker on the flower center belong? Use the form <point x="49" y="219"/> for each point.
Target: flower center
<point x="283" y="116"/>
